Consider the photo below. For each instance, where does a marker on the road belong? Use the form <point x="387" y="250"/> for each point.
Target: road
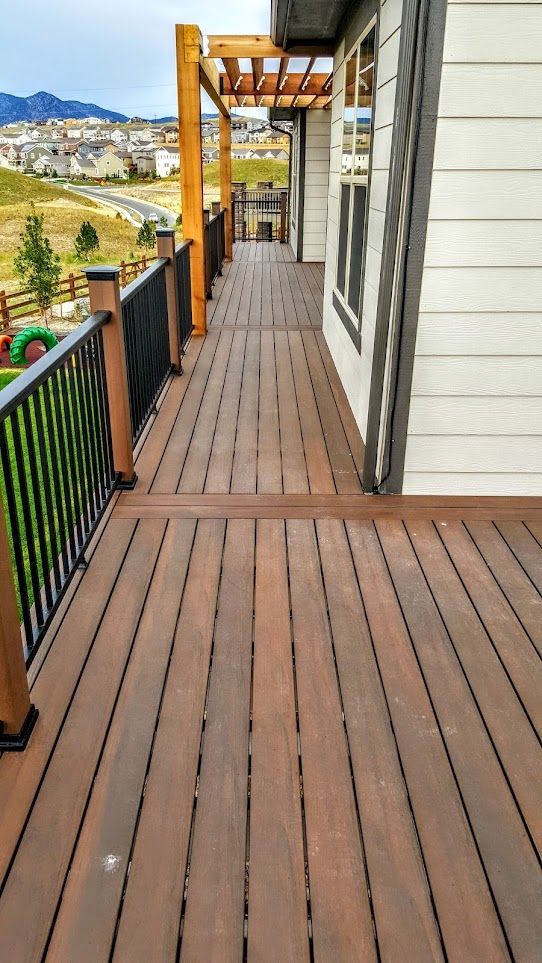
<point x="136" y="210"/>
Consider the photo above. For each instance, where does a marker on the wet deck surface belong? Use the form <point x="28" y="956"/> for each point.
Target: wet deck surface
<point x="278" y="717"/>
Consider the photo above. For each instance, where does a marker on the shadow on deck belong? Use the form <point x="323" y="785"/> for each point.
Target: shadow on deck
<point x="275" y="712"/>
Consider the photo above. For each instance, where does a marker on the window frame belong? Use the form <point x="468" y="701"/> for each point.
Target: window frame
<point x="353" y="322"/>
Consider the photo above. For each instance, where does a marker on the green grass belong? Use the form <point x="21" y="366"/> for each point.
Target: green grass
<point x="7" y="375"/>
<point x="64" y="213"/>
<point x="250" y="171"/>
<point x="65" y="421"/>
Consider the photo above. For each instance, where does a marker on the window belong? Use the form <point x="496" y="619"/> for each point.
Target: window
<point x="355" y="168"/>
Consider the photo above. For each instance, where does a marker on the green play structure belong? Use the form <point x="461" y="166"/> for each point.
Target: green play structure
<point x="17" y="351"/>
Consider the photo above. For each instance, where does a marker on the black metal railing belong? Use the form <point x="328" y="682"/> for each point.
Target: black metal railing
<point x="260" y="215"/>
<point x="184" y="299"/>
<point x="214" y="243"/>
<point x="146" y="340"/>
<point x="56" y="470"/>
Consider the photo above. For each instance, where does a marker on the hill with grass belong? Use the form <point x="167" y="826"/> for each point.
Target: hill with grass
<point x="63" y="212"/>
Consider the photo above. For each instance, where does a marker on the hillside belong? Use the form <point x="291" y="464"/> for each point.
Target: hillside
<point x="64" y="212"/>
<point x="44" y="106"/>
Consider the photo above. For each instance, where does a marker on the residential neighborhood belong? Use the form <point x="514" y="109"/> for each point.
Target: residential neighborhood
<point x="94" y="150"/>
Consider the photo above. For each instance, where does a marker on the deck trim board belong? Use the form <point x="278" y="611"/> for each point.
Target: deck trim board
<point x="308" y="505"/>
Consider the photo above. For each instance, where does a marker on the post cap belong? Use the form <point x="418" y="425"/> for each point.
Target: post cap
<point x="165" y="232"/>
<point x="102" y="272"/>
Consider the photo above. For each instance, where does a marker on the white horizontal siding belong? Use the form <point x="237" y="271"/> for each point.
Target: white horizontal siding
<point x="441" y="415"/>
<point x="493" y="33"/>
<point x="485" y="195"/>
<point x="479" y="334"/>
<point x="475" y="422"/>
<point x="484" y="243"/>
<point x="471" y="483"/>
<point x="317" y="162"/>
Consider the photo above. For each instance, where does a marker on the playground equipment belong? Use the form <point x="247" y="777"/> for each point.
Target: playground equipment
<point x="5" y="342"/>
<point x="17" y="351"/>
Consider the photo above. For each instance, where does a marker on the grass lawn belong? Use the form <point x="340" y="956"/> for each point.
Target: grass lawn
<point x="165" y="192"/>
<point x="9" y="374"/>
<point x="61" y="422"/>
<point x="64" y="213"/>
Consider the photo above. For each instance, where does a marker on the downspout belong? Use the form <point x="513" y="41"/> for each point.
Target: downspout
<point x="407" y="107"/>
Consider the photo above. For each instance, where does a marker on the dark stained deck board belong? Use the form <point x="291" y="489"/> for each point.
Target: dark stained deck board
<point x="277" y="894"/>
<point x="280" y="718"/>
<point x="492" y="811"/>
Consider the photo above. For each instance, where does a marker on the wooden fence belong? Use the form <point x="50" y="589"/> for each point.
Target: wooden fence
<point x="21" y="304"/>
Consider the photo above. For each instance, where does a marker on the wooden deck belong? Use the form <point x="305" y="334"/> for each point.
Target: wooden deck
<point x="279" y="719"/>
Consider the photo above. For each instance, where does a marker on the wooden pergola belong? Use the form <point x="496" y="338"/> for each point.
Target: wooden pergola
<point x="228" y="88"/>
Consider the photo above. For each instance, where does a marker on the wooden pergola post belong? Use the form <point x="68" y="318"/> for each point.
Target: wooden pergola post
<point x="224" y="127"/>
<point x="17" y="714"/>
<point x="189" y="52"/>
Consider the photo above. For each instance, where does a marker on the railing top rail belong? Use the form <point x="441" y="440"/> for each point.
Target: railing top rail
<point x="141" y="282"/>
<point x="183" y="245"/>
<point x="23" y="387"/>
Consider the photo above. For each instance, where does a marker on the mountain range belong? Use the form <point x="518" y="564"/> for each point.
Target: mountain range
<point x="43" y="106"/>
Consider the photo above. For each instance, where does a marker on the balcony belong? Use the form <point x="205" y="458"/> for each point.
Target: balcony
<point x="277" y="717"/>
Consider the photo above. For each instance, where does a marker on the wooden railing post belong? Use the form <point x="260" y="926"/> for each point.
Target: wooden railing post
<point x="283" y="202"/>
<point x="17" y="714"/>
<point x="4" y="310"/>
<point x="104" y="293"/>
<point x="165" y="239"/>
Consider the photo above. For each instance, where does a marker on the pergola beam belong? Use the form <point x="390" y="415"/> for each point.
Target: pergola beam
<point x="210" y="81"/>
<point x="261" y="46"/>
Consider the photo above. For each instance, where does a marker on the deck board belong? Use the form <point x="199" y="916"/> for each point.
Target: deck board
<point x="279" y="718"/>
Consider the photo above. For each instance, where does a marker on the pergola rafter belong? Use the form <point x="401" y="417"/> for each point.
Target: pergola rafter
<point x="264" y="85"/>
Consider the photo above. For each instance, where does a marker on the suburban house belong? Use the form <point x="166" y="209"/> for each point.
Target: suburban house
<point x="109" y="164"/>
<point x="433" y="284"/>
<point x="167" y="160"/>
<point x="271" y="634"/>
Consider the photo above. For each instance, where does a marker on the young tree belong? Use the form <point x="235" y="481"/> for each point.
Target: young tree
<point x="36" y="264"/>
<point x="145" y="236"/>
<point x="163" y="221"/>
<point x="87" y="241"/>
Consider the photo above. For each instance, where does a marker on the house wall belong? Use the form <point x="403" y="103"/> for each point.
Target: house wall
<point x="354" y="367"/>
<point x="317" y="143"/>
<point x="475" y="422"/>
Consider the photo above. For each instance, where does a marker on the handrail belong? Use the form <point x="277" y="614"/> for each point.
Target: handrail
<point x="26" y="383"/>
<point x="183" y="245"/>
<point x="141" y="282"/>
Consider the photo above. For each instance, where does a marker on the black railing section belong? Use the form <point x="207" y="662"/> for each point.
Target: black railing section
<point x="56" y="470"/>
<point x="146" y="340"/>
<point x="260" y="215"/>
<point x="214" y="242"/>
<point x="184" y="299"/>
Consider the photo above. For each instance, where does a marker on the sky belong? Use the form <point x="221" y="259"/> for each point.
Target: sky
<point x="116" y="55"/>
